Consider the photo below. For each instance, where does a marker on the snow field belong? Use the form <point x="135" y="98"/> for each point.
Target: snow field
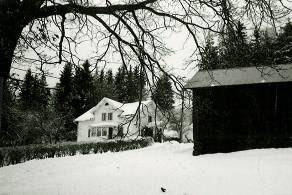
<point x="145" y="171"/>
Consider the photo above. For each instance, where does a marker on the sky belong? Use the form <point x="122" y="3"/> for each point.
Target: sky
<point x="175" y="62"/>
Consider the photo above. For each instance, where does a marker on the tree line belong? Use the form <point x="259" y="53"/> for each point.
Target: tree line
<point x="235" y="48"/>
<point x="36" y="114"/>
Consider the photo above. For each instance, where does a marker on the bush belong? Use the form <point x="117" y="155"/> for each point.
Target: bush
<point x="18" y="154"/>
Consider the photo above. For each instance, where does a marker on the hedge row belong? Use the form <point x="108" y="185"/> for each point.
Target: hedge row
<point x="18" y="154"/>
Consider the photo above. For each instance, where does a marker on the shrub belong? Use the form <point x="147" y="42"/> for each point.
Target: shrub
<point x="18" y="154"/>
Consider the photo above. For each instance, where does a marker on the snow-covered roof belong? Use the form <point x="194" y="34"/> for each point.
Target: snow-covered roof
<point x="89" y="115"/>
<point x="114" y="103"/>
<point x="86" y="116"/>
<point x="241" y="76"/>
<point x="131" y="108"/>
<point x="127" y="109"/>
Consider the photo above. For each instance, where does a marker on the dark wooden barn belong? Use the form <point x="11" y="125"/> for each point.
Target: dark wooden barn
<point x="242" y="108"/>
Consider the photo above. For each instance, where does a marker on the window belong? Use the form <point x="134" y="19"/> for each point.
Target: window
<point x="89" y="132"/>
<point x="98" y="132"/>
<point x="104" y="132"/>
<point x="103" y="117"/>
<point x="106" y="104"/>
<point x="149" y="119"/>
<point x="110" y="116"/>
<point x="93" y="132"/>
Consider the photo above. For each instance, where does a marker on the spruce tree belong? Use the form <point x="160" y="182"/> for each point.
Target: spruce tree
<point x="26" y="91"/>
<point x="10" y="118"/>
<point x="110" y="85"/>
<point x="121" y="85"/>
<point x="83" y="98"/>
<point x="209" y="56"/>
<point x="139" y="83"/>
<point x="64" y="103"/>
<point x="64" y="90"/>
<point x="131" y="87"/>
<point x="163" y="95"/>
<point x="283" y="51"/>
<point x="234" y="48"/>
<point x="43" y="96"/>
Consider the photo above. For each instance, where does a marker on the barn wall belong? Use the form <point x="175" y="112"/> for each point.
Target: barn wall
<point x="243" y="117"/>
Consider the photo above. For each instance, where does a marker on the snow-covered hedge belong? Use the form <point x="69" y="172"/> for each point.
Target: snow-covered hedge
<point x="14" y="155"/>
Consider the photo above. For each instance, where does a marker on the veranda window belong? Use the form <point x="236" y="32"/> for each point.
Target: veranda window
<point x="98" y="132"/>
<point x="93" y="132"/>
<point x="104" y="132"/>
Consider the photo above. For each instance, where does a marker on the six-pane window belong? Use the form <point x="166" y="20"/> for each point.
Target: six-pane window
<point x="103" y="117"/>
<point x="110" y="116"/>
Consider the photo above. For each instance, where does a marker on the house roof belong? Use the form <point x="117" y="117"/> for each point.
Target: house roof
<point x="241" y="76"/>
<point x="131" y="108"/>
<point x="127" y="109"/>
<point x="86" y="116"/>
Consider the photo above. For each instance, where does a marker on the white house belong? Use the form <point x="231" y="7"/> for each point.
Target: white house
<point x="110" y="119"/>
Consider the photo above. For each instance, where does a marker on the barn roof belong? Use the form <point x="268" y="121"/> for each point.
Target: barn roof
<point x="241" y="76"/>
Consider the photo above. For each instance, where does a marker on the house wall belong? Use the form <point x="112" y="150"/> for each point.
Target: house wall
<point x="82" y="134"/>
<point x="242" y="117"/>
<point x="106" y="109"/>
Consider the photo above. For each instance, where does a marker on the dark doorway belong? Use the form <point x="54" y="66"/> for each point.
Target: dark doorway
<point x="147" y="132"/>
<point x="110" y="133"/>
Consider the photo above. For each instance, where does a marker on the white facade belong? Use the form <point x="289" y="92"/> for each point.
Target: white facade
<point x="110" y="119"/>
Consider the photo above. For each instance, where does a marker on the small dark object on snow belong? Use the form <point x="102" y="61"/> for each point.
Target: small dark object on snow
<point x="163" y="189"/>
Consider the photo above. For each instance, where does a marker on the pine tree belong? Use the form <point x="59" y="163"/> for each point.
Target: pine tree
<point x="163" y="94"/>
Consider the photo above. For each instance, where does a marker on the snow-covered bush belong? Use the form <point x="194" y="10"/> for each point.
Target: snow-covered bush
<point x="14" y="155"/>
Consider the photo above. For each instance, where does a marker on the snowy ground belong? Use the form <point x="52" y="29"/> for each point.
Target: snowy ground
<point x="145" y="171"/>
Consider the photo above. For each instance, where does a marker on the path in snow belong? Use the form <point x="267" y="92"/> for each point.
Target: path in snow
<point x="145" y="171"/>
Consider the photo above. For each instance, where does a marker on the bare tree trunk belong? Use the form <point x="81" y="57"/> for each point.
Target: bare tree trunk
<point x="8" y="41"/>
<point x="182" y="117"/>
<point x="1" y="100"/>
